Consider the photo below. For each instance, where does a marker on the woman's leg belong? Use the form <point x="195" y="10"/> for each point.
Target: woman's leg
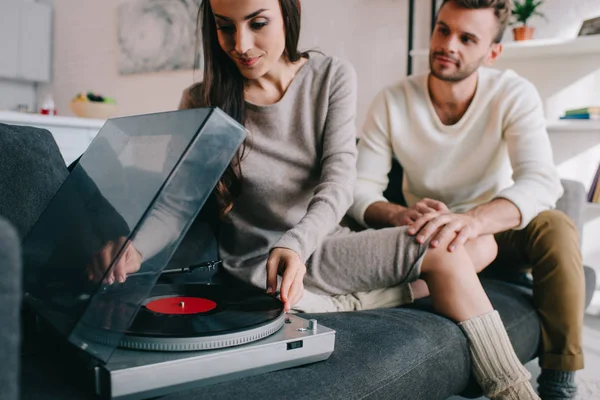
<point x="482" y="251"/>
<point x="454" y="285"/>
<point x="457" y="293"/>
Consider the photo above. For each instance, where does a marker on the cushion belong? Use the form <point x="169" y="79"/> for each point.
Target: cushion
<point x="30" y="176"/>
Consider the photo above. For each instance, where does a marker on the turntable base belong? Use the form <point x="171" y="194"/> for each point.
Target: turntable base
<point x="132" y="374"/>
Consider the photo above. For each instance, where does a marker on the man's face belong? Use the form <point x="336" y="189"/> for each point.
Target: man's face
<point x="462" y="41"/>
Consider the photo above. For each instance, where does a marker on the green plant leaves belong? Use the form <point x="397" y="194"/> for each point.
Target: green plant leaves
<point x="523" y="10"/>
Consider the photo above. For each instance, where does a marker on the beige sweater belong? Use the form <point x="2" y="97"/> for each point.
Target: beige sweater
<point x="298" y="172"/>
<point x="499" y="149"/>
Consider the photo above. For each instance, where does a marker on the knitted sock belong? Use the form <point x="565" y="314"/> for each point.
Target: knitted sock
<point x="557" y="385"/>
<point x="496" y="367"/>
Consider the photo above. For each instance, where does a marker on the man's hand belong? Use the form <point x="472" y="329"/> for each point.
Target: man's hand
<point x="408" y="216"/>
<point x="444" y="226"/>
<point x="287" y="263"/>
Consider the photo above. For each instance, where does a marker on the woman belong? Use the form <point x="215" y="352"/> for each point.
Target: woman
<point x="284" y="196"/>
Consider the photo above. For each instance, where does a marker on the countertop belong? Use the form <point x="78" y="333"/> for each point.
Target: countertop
<point x="47" y="120"/>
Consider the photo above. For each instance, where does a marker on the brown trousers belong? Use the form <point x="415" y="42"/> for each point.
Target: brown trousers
<point x="549" y="245"/>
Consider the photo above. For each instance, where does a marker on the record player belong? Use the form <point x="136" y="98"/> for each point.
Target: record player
<point x="102" y="269"/>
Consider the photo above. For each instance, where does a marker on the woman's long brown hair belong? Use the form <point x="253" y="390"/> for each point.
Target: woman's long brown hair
<point x="223" y="85"/>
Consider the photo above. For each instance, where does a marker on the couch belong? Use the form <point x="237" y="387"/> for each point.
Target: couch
<point x="400" y="353"/>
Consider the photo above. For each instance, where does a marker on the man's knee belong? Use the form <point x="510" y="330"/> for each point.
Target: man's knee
<point x="554" y="237"/>
<point x="552" y="229"/>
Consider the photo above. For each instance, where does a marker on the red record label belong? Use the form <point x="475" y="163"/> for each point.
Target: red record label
<point x="181" y="305"/>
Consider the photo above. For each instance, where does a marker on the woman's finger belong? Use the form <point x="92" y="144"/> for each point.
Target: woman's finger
<point x="419" y="223"/>
<point x="106" y="255"/>
<point x="297" y="290"/>
<point x="436" y="205"/>
<point x="272" y="267"/>
<point x="286" y="283"/>
<point x="423" y="208"/>
<point x="432" y="226"/>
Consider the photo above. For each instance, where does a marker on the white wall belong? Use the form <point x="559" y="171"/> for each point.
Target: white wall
<point x="86" y="59"/>
<point x="372" y="34"/>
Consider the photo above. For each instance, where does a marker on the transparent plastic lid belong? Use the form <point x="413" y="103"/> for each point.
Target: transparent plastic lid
<point x="99" y="247"/>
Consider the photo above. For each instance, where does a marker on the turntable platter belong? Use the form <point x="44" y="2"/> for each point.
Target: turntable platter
<point x="202" y="317"/>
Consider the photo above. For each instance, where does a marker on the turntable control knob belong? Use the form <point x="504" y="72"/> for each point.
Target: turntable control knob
<point x="312" y="324"/>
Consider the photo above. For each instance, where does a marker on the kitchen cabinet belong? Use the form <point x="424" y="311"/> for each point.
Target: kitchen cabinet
<point x="9" y="44"/>
<point x="26" y="41"/>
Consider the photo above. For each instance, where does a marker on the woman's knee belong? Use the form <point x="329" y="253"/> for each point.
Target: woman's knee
<point x="438" y="260"/>
<point x="482" y="251"/>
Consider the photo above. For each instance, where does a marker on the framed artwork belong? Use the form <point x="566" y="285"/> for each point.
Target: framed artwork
<point x="157" y="35"/>
<point x="590" y="27"/>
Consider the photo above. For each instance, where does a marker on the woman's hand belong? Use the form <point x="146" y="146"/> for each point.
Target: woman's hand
<point x="408" y="216"/>
<point x="287" y="263"/>
<point x="128" y="263"/>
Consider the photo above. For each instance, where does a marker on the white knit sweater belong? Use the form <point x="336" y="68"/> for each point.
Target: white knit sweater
<point x="499" y="149"/>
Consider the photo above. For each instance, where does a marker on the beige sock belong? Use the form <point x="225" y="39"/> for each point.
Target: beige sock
<point x="496" y="367"/>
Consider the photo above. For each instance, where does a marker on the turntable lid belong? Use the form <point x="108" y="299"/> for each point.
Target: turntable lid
<point x="134" y="193"/>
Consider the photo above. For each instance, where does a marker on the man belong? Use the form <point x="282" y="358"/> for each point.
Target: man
<point x="474" y="139"/>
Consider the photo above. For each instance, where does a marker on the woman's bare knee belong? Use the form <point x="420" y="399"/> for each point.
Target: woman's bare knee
<point x="482" y="251"/>
<point x="439" y="260"/>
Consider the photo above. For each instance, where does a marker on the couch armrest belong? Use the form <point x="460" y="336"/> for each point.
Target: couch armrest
<point x="572" y="202"/>
<point x="10" y="309"/>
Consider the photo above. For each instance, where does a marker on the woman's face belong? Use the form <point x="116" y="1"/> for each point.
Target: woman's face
<point x="251" y="32"/>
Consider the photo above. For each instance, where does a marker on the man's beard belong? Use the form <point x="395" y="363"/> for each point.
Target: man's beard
<point x="461" y="73"/>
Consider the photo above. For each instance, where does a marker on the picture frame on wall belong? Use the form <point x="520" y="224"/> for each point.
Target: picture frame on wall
<point x="158" y="35"/>
<point x="590" y="27"/>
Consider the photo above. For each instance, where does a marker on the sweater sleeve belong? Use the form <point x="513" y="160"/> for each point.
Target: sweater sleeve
<point x="536" y="185"/>
<point x="333" y="195"/>
<point x="374" y="160"/>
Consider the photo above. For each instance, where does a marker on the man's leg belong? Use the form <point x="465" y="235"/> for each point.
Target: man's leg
<point x="550" y="245"/>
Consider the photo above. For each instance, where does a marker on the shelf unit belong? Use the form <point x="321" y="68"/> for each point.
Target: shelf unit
<point x="591" y="212"/>
<point x="573" y="126"/>
<point x="583" y="45"/>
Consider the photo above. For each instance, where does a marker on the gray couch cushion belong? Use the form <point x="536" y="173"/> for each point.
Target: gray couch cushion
<point x="10" y="305"/>
<point x="30" y="177"/>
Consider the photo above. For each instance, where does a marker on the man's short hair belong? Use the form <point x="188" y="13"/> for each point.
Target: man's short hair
<point x="502" y="11"/>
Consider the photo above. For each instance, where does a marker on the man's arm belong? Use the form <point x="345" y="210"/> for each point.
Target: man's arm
<point x="373" y="165"/>
<point x="498" y="215"/>
<point x="536" y="185"/>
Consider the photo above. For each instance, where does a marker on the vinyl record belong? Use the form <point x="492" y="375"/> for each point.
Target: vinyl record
<point x="202" y="317"/>
<point x="228" y="310"/>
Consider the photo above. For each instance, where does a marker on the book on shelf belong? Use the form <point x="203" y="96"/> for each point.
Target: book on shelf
<point x="594" y="117"/>
<point x="583" y="110"/>
<point x="594" y="192"/>
<point x="592" y="113"/>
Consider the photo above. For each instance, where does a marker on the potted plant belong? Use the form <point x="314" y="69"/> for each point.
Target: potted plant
<point x="521" y="12"/>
